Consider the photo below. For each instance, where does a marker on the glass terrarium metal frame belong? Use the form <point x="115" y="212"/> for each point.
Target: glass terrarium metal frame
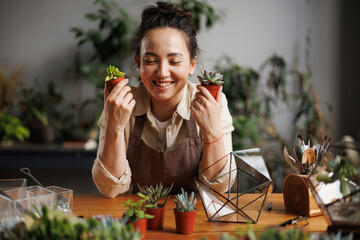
<point x="248" y="188"/>
<point x="340" y="211"/>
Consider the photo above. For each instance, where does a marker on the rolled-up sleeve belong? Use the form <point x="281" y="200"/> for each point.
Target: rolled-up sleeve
<point x="107" y="184"/>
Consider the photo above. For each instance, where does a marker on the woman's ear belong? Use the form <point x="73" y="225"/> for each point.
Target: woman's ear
<point x="193" y="62"/>
<point x="137" y="60"/>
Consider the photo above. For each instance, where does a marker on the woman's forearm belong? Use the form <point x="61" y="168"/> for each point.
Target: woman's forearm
<point x="113" y="154"/>
<point x="213" y="158"/>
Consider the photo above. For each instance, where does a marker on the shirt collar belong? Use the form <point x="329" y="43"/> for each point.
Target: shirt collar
<point x="183" y="108"/>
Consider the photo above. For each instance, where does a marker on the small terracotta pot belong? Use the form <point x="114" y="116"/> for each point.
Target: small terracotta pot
<point x="185" y="221"/>
<point x="157" y="222"/>
<point x="140" y="225"/>
<point x="213" y="89"/>
<point x="112" y="83"/>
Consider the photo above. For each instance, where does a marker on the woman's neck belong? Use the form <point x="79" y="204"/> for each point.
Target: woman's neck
<point x="163" y="111"/>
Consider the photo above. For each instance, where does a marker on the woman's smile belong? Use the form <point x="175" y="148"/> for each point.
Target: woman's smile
<point x="163" y="84"/>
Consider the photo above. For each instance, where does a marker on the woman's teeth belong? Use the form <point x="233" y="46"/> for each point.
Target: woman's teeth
<point x="163" y="84"/>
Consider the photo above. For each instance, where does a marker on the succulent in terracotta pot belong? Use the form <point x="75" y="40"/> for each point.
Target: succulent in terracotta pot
<point x="135" y="214"/>
<point x="212" y="80"/>
<point x="185" y="213"/>
<point x="153" y="195"/>
<point x="113" y="76"/>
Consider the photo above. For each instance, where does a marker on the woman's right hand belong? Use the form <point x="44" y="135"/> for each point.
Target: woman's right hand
<point x="118" y="105"/>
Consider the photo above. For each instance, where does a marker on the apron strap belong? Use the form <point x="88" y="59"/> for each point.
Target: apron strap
<point x="139" y="125"/>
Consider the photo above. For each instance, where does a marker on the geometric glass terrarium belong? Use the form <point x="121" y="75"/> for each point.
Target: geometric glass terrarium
<point x="248" y="188"/>
<point x="341" y="210"/>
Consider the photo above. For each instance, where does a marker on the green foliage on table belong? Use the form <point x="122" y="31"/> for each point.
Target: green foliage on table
<point x="184" y="202"/>
<point x="53" y="224"/>
<point x="340" y="169"/>
<point x="136" y="210"/>
<point x="11" y="126"/>
<point x="153" y="195"/>
<point x="275" y="233"/>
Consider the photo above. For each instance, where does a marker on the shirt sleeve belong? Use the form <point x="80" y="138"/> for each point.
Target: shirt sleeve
<point x="107" y="184"/>
<point x="221" y="182"/>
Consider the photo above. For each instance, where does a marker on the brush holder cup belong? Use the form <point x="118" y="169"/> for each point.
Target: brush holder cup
<point x="298" y="197"/>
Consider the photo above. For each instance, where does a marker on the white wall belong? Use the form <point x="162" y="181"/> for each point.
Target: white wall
<point x="36" y="34"/>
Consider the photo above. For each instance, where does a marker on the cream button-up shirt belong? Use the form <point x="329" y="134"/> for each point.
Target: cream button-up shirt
<point x="176" y="133"/>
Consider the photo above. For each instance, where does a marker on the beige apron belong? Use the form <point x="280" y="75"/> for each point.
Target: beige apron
<point x="151" y="167"/>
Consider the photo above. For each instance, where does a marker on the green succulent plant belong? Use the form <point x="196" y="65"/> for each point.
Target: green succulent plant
<point x="113" y="72"/>
<point x="211" y="78"/>
<point x="135" y="211"/>
<point x="155" y="194"/>
<point x="53" y="224"/>
<point x="185" y="203"/>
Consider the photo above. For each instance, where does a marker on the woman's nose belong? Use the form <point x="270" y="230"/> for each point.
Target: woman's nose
<point x="163" y="70"/>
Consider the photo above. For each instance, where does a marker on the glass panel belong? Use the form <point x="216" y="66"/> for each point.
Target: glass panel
<point x="247" y="194"/>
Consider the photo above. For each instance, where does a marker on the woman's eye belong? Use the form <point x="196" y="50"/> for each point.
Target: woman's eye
<point x="175" y="62"/>
<point x="149" y="61"/>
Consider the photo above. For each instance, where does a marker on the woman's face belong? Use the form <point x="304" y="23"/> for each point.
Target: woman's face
<point x="165" y="64"/>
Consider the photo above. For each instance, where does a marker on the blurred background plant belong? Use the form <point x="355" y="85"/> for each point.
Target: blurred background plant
<point x="40" y="111"/>
<point x="10" y="126"/>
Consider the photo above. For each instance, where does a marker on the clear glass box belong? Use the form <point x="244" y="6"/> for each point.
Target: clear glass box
<point x="24" y="200"/>
<point x="6" y="184"/>
<point x="63" y="199"/>
<point x="248" y="188"/>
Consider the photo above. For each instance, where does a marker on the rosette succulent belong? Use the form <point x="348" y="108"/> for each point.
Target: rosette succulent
<point x="211" y="78"/>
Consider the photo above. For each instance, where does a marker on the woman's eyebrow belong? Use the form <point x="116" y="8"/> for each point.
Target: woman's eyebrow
<point x="169" y="55"/>
<point x="175" y="54"/>
<point x="150" y="53"/>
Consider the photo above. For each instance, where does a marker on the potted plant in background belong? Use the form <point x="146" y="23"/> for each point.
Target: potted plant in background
<point x="212" y="80"/>
<point x="156" y="209"/>
<point x="40" y="112"/>
<point x="11" y="127"/>
<point x="135" y="214"/>
<point x="185" y="213"/>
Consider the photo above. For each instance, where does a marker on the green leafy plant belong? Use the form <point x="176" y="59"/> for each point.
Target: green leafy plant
<point x="11" y="126"/>
<point x="273" y="233"/>
<point x="53" y="224"/>
<point x="185" y="203"/>
<point x="211" y="78"/>
<point x="41" y="106"/>
<point x="113" y="73"/>
<point x="201" y="9"/>
<point x="340" y="169"/>
<point x="135" y="211"/>
<point x="154" y="194"/>
<point x="111" y="40"/>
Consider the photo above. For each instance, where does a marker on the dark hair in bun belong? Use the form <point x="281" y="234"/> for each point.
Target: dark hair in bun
<point x="167" y="15"/>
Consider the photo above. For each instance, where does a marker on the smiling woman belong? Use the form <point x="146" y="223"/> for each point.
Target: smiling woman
<point x="155" y="132"/>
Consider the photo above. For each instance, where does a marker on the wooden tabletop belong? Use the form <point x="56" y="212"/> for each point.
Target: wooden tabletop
<point x="87" y="205"/>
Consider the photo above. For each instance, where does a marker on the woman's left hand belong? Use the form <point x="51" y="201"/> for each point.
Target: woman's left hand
<point x="207" y="111"/>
